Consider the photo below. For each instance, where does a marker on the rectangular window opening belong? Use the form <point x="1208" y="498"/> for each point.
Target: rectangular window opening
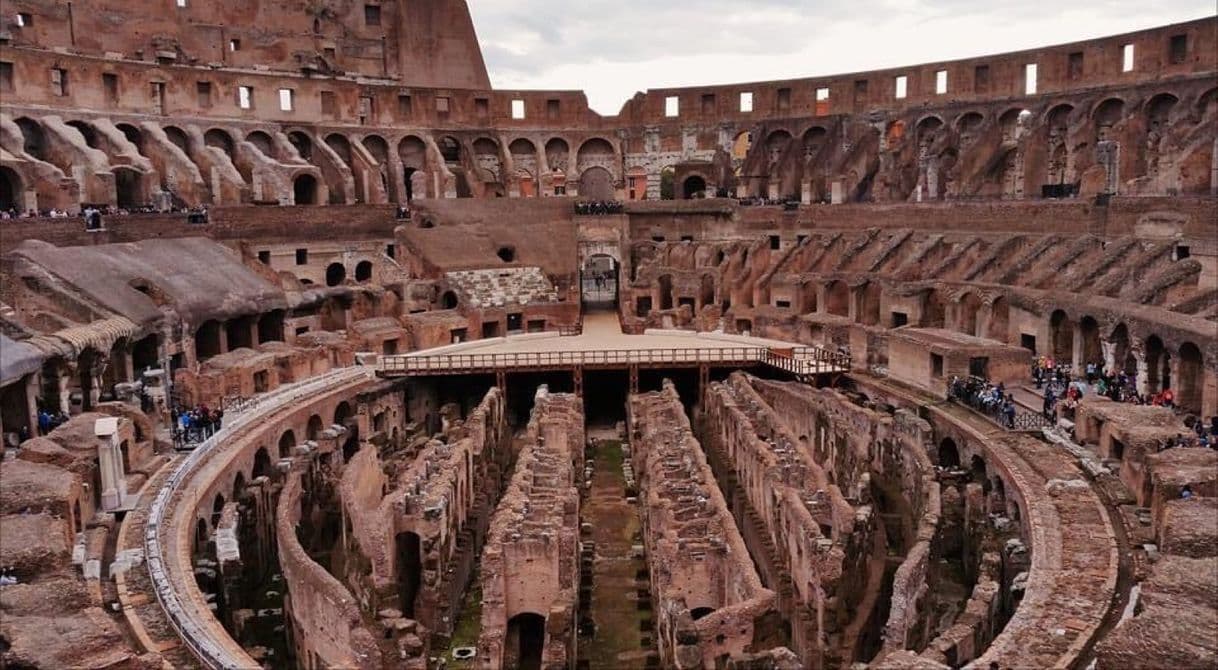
<point x="59" y="81"/>
<point x="775" y="242"/>
<point x="442" y="104"/>
<point x="553" y="109"/>
<point x="1074" y="66"/>
<point x="941" y="82"/>
<point x="372" y="15"/>
<point x="482" y="107"/>
<point x="203" y="90"/>
<point x="110" y="87"/>
<point x="1029" y="79"/>
<point x="981" y="79"/>
<point x="287" y="100"/>
<point x="405" y="107"/>
<point x="746" y="102"/>
<point x="329" y="103"/>
<point x="672" y="106"/>
<point x="708" y="104"/>
<point x="24" y="20"/>
<point x="822" y="101"/>
<point x="784" y="99"/>
<point x="1127" y="58"/>
<point x="518" y="109"/>
<point x="6" y="77"/>
<point x="936" y="365"/>
<point x="1177" y="50"/>
<point x="302" y="256"/>
<point x="234" y="45"/>
<point x="245" y="97"/>
<point x="264" y="257"/>
<point x="902" y="86"/>
<point x="181" y="3"/>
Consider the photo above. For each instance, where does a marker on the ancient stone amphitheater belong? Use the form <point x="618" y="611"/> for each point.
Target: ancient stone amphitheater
<point x="506" y="383"/>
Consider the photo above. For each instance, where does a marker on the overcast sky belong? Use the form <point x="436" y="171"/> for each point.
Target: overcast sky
<point x="614" y="48"/>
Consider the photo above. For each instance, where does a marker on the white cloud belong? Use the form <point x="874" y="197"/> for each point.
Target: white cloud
<point x="612" y="49"/>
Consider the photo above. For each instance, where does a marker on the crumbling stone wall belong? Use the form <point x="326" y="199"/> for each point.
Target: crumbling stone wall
<point x="710" y="602"/>
<point x="531" y="561"/>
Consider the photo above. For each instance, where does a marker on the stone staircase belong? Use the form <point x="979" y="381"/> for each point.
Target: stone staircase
<point x="501" y="287"/>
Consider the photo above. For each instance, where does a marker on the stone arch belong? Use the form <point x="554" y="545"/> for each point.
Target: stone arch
<point x="596" y="183"/>
<point x="304" y="189"/>
<point x="303" y="144"/>
<point x="342" y="412"/>
<point x="34" y="137"/>
<point x="814" y="140"/>
<point x="596" y="152"/>
<point x="262" y="463"/>
<point x="450" y="149"/>
<point x="178" y="138"/>
<point x="12" y="190"/>
<point x="776" y="144"/>
<point x="524" y="641"/>
<point x="1059" y="115"/>
<point x="449" y="300"/>
<point x="263" y="141"/>
<point x="1061" y="337"/>
<point x="336" y="273"/>
<point x="488" y="160"/>
<point x="217" y="508"/>
<point x="934" y="310"/>
<point x="949" y="453"/>
<point x="558" y="154"/>
<point x="86" y="131"/>
<point x="128" y="187"/>
<point x="1013" y="123"/>
<point x="286" y="441"/>
<point x="133" y="134"/>
<point x="1207" y="101"/>
<point x="220" y="139"/>
<point x="313" y="428"/>
<point x="694" y="186"/>
<point x="238" y="485"/>
<point x="1106" y="115"/>
<point x="706" y="289"/>
<point x="363" y="271"/>
<point x="207" y="340"/>
<point x="378" y="147"/>
<point x="742" y="143"/>
<point x="340" y="145"/>
<point x="1191" y="370"/>
<point x="927" y="125"/>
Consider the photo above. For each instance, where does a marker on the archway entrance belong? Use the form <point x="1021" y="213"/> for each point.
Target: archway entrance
<point x="599" y="282"/>
<point x="304" y="189"/>
<point x="526" y="638"/>
<point x="694" y="187"/>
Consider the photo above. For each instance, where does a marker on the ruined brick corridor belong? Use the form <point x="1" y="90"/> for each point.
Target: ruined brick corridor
<point x="317" y="351"/>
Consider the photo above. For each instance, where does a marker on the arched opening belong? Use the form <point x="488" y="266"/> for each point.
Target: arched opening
<point x="263" y="142"/>
<point x="934" y="310"/>
<point x="270" y="326"/>
<point x="526" y="638"/>
<point x="200" y="543"/>
<point x="336" y="273"/>
<point x="1093" y="353"/>
<point x="450" y="150"/>
<point x="667" y="188"/>
<point x="35" y="141"/>
<point x="145" y="354"/>
<point x="342" y="413"/>
<point x="1190" y="370"/>
<point x="220" y="140"/>
<point x="694" y="187"/>
<point x="701" y="612"/>
<point x="178" y="138"/>
<point x="413" y="153"/>
<point x="11" y="190"/>
<point x="286" y="442"/>
<point x="558" y="154"/>
<point x="378" y="147"/>
<point x="314" y="428"/>
<point x="807" y="298"/>
<point x="664" y="283"/>
<point x="1107" y="115"/>
<point x="127" y="188"/>
<point x="949" y="454"/>
<point x="262" y="463"/>
<point x="1000" y="319"/>
<point x="706" y="290"/>
<point x="238" y="485"/>
<point x="410" y="571"/>
<point x="339" y="144"/>
<point x="1158" y="365"/>
<point x="507" y="254"/>
<point x="363" y="271"/>
<point x="1061" y="336"/>
<point x="594" y="152"/>
<point x="240" y="332"/>
<point x="302" y="144"/>
<point x="598" y="282"/>
<point x="207" y="340"/>
<point x="449" y="300"/>
<point x="524" y="159"/>
<point x="133" y="134"/>
<point x="596" y="183"/>
<point x="86" y="132"/>
<point x="837" y="298"/>
<point x="304" y="189"/>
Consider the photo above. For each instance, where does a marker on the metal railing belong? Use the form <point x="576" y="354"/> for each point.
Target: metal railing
<point x="195" y="634"/>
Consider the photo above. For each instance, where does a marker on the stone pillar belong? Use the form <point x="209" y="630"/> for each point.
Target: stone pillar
<point x="110" y="463"/>
<point x="822" y="304"/>
<point x="805" y="192"/>
<point x="1143" y="380"/>
<point x="33" y="382"/>
<point x="1076" y="348"/>
<point x="223" y="333"/>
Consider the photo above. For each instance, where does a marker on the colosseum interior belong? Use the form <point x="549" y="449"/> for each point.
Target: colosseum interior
<point x="320" y="352"/>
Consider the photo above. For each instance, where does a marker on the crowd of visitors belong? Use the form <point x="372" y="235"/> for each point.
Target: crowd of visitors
<point x="985" y="397"/>
<point x="403" y="213"/>
<point x="48" y="421"/>
<point x="108" y="210"/>
<point x="599" y="207"/>
<point x="194" y="425"/>
<point x="1062" y="385"/>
